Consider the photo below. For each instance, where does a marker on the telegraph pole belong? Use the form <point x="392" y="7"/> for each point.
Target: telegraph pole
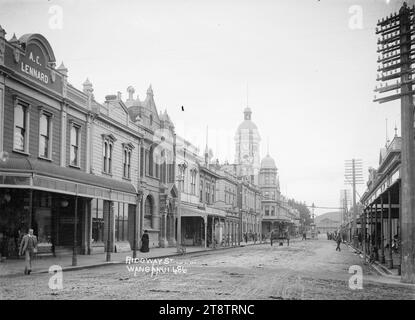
<point x="395" y="62"/>
<point x="354" y="175"/>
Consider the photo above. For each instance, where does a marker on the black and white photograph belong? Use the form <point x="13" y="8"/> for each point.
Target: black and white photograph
<point x="221" y="152"/>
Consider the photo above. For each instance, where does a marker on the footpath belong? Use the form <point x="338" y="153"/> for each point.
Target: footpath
<point x="387" y="276"/>
<point x="15" y="267"/>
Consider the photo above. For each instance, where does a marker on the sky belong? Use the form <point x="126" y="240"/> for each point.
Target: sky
<point x="306" y="68"/>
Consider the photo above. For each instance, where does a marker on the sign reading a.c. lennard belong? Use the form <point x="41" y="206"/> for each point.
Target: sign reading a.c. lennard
<point x="33" y="64"/>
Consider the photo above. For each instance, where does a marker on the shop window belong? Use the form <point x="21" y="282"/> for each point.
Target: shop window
<point x="45" y="131"/>
<point x="97" y="206"/>
<point x="121" y="221"/>
<point x="75" y="145"/>
<point x="21" y="127"/>
<point x="42" y="223"/>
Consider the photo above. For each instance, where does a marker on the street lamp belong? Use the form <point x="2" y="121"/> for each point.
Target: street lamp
<point x="182" y="167"/>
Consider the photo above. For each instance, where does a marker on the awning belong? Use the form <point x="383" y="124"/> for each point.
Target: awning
<point x="187" y="211"/>
<point x="42" y="175"/>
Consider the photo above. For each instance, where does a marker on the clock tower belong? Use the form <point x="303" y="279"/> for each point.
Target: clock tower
<point x="247" y="140"/>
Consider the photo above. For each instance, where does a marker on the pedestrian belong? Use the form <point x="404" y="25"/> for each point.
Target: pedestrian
<point x="28" y="247"/>
<point x="272" y="236"/>
<point x="339" y="240"/>
<point x="144" y="242"/>
<point x="304" y="236"/>
<point x="288" y="238"/>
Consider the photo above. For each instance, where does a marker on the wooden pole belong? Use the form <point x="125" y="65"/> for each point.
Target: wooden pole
<point x="75" y="232"/>
<point x="390" y="262"/>
<point x="382" y="236"/>
<point x="407" y="154"/>
<point x="354" y="227"/>
<point x="376" y="233"/>
<point x="364" y="235"/>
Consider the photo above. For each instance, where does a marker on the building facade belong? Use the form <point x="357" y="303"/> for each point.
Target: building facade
<point x="45" y="135"/>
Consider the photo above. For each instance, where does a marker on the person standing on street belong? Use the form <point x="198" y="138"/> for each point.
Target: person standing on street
<point x="145" y="242"/>
<point x="338" y="240"/>
<point x="28" y="247"/>
<point x="287" y="235"/>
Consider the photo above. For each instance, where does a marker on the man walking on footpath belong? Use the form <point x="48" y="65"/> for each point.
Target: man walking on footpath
<point x="338" y="240"/>
<point x="28" y="247"/>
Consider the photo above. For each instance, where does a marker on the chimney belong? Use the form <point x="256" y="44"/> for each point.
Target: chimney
<point x="119" y="96"/>
<point x="130" y="91"/>
<point x="110" y="97"/>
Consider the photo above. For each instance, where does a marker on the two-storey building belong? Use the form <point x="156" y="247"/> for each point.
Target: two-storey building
<point x="45" y="145"/>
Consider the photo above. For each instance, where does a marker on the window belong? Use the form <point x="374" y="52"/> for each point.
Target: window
<point x="121" y="221"/>
<point x="213" y="193"/>
<point x="267" y="210"/>
<point x="127" y="160"/>
<point x="193" y="182"/>
<point x="107" y="156"/>
<point x="20" y="128"/>
<point x="201" y="191"/>
<point x="151" y="119"/>
<point x="75" y="143"/>
<point x="272" y="211"/>
<point x="163" y="166"/>
<point x="45" y="141"/>
<point x="142" y="160"/>
<point x="151" y="162"/>
<point x="226" y="195"/>
<point x="148" y="212"/>
<point x="97" y="206"/>
<point x="207" y="192"/>
<point x="147" y="161"/>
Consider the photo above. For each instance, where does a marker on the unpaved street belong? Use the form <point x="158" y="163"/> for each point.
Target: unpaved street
<point x="304" y="270"/>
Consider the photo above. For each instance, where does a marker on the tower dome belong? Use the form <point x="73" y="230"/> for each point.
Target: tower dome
<point x="268" y="163"/>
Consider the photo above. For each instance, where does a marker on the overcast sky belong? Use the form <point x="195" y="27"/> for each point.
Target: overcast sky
<point x="309" y="66"/>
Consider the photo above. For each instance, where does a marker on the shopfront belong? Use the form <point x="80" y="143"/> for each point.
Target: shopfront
<point x="193" y="226"/>
<point x="65" y="207"/>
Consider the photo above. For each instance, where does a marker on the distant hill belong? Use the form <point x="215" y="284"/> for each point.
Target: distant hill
<point x="333" y="216"/>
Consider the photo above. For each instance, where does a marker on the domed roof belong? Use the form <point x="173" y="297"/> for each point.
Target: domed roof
<point x="268" y="163"/>
<point x="247" y="124"/>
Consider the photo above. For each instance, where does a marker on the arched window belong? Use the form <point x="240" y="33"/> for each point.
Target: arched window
<point x="151" y="161"/>
<point x="148" y="213"/>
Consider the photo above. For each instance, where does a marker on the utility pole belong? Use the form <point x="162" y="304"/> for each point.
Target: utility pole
<point x="394" y="44"/>
<point x="354" y="175"/>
